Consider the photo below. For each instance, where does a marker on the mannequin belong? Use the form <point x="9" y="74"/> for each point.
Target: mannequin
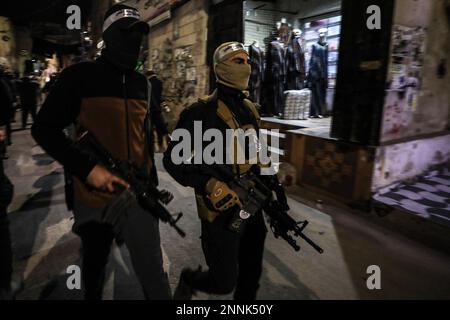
<point x="276" y="70"/>
<point x="318" y="75"/>
<point x="256" y="78"/>
<point x="295" y="62"/>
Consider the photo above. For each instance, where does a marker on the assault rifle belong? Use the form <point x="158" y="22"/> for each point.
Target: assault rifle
<point x="256" y="193"/>
<point x="141" y="188"/>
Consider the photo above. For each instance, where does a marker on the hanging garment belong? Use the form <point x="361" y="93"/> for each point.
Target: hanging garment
<point x="295" y="65"/>
<point x="256" y="77"/>
<point x="274" y="79"/>
<point x="318" y="78"/>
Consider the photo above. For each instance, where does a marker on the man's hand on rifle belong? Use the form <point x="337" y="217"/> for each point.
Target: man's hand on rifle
<point x="221" y="196"/>
<point x="102" y="179"/>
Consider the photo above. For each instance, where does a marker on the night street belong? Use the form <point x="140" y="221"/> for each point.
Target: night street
<point x="44" y="246"/>
<point x="243" y="154"/>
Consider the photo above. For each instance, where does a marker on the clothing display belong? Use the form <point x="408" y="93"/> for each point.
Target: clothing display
<point x="297" y="104"/>
<point x="275" y="78"/>
<point x="318" y="78"/>
<point x="257" y="75"/>
<point x="295" y="65"/>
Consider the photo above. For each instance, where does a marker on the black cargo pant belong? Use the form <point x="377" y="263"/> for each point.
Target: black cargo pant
<point x="28" y="109"/>
<point x="141" y="236"/>
<point x="5" y="235"/>
<point x="5" y="251"/>
<point x="234" y="260"/>
<point x="318" y="97"/>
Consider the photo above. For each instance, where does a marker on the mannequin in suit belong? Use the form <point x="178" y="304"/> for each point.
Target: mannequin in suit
<point x="275" y="78"/>
<point x="295" y="63"/>
<point x="318" y="75"/>
<point x="256" y="78"/>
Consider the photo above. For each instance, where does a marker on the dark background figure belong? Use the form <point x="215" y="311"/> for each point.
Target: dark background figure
<point x="6" y="193"/>
<point x="11" y="81"/>
<point x="6" y="100"/>
<point x="29" y="91"/>
<point x="158" y="122"/>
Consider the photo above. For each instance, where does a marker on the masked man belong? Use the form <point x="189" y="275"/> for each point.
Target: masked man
<point x="234" y="259"/>
<point x="110" y="99"/>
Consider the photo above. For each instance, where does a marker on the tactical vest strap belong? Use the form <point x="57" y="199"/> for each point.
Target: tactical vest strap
<point x="250" y="105"/>
<point x="207" y="99"/>
<point x="226" y="115"/>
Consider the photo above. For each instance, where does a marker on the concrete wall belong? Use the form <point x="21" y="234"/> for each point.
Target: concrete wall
<point x="406" y="153"/>
<point x="430" y="111"/>
<point x="407" y="160"/>
<point x="177" y="52"/>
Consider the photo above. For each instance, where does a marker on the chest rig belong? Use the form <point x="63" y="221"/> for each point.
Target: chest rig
<point x="205" y="211"/>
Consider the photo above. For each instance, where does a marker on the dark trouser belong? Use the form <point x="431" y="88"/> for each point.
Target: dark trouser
<point x="26" y="109"/>
<point x="8" y="133"/>
<point x="234" y="261"/>
<point x="5" y="251"/>
<point x="318" y="97"/>
<point x="5" y="236"/>
<point x="278" y="87"/>
<point x="141" y="236"/>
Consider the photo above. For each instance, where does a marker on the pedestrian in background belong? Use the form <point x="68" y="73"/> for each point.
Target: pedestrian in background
<point x="6" y="194"/>
<point x="29" y="91"/>
<point x="155" y="105"/>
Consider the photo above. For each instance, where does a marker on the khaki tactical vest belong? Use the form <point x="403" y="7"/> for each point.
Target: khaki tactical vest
<point x="205" y="211"/>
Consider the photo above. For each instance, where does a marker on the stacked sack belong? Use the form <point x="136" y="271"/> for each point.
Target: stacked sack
<point x="297" y="104"/>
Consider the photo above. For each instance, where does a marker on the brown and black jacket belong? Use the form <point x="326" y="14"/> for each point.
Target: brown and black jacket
<point x="106" y="100"/>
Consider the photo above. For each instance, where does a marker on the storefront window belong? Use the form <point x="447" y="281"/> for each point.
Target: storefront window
<point x="294" y="49"/>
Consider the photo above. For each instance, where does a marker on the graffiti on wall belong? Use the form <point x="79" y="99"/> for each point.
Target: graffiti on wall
<point x="404" y="81"/>
<point x="175" y="67"/>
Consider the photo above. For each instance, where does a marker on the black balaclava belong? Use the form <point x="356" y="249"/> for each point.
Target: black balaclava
<point x="123" y="39"/>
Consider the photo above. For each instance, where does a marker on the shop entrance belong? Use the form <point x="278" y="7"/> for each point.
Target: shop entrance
<point x="294" y="49"/>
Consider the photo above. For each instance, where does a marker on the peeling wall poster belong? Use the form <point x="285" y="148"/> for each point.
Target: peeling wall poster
<point x="404" y="80"/>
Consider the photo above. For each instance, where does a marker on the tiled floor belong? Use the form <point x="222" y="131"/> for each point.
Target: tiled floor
<point x="428" y="197"/>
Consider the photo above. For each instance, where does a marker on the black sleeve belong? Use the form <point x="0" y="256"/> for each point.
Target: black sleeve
<point x="155" y="108"/>
<point x="188" y="175"/>
<point x="5" y="102"/>
<point x="60" y="109"/>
